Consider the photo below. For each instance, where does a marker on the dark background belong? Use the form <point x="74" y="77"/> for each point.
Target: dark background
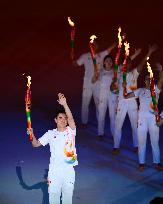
<point x="35" y="40"/>
<point x="35" y="35"/>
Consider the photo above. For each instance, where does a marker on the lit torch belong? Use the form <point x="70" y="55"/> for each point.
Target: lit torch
<point x="71" y="23"/>
<point x="152" y="90"/>
<point x="28" y="105"/>
<point x="124" y="68"/>
<point x="114" y="86"/>
<point x="92" y="49"/>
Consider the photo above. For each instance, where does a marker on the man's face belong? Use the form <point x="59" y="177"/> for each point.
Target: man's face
<point x="61" y="120"/>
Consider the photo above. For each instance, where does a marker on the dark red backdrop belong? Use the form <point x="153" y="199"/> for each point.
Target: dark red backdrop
<point x="34" y="39"/>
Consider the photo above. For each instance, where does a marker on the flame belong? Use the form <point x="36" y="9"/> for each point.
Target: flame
<point x="149" y="68"/>
<point x="29" y="81"/>
<point x="92" y="38"/>
<point x="119" y="37"/>
<point x="71" y="23"/>
<point x="127" y="46"/>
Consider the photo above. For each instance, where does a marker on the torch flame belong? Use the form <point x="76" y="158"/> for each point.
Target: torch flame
<point x="119" y="37"/>
<point x="92" y="38"/>
<point x="29" y="81"/>
<point x="149" y="68"/>
<point x="126" y="48"/>
<point x="71" y="23"/>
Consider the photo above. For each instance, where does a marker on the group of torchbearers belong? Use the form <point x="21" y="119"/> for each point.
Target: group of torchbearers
<point x="144" y="117"/>
<point x="114" y="86"/>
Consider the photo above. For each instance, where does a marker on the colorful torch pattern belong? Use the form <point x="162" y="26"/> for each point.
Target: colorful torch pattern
<point x="124" y="68"/>
<point x="28" y="105"/>
<point x="92" y="49"/>
<point x="72" y="37"/>
<point x="152" y="90"/>
<point x="114" y="86"/>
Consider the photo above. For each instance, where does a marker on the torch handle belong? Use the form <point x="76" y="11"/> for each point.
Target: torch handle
<point x="154" y="101"/>
<point x="72" y="43"/>
<point x="28" y="111"/>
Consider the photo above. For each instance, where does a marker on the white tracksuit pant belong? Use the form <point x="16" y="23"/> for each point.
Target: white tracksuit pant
<point x="61" y="181"/>
<point x="147" y="122"/>
<point x="89" y="90"/>
<point x="126" y="106"/>
<point x="109" y="101"/>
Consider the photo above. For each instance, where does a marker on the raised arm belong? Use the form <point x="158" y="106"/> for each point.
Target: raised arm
<point x="160" y="80"/>
<point x="35" y="142"/>
<point x="62" y="101"/>
<point x="137" y="52"/>
<point x="109" y="49"/>
<point x="151" y="49"/>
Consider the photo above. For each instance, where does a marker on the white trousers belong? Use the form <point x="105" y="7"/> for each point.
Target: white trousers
<point x="126" y="106"/>
<point x="147" y="122"/>
<point x="104" y="102"/>
<point x="61" y="181"/>
<point x="89" y="90"/>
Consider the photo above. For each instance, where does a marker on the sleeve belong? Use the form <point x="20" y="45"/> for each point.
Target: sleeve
<point x="157" y="90"/>
<point x="135" y="72"/>
<point x="72" y="131"/>
<point x="103" y="54"/>
<point x="80" y="60"/>
<point x="137" y="92"/>
<point x="44" y="140"/>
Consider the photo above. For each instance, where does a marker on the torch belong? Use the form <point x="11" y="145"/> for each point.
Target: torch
<point x="114" y="86"/>
<point x="124" y="68"/>
<point x="72" y="37"/>
<point x="28" y="105"/>
<point x="92" y="49"/>
<point x="152" y="90"/>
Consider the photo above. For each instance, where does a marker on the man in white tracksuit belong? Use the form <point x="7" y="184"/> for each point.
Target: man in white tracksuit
<point x="61" y="175"/>
<point x="128" y="105"/>
<point x="147" y="122"/>
<point x="106" y="97"/>
<point x="90" y="89"/>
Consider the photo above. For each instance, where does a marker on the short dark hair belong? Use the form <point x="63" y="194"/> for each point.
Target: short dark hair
<point x="108" y="56"/>
<point x="61" y="110"/>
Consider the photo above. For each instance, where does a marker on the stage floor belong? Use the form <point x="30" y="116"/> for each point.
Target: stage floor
<point x="101" y="178"/>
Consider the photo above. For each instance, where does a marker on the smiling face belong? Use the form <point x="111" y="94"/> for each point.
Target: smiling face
<point x="108" y="63"/>
<point x="61" y="121"/>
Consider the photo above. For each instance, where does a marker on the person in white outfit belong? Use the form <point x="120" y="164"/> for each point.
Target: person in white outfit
<point x="106" y="97"/>
<point x="147" y="122"/>
<point x="90" y="89"/>
<point x="61" y="175"/>
<point x="128" y="105"/>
